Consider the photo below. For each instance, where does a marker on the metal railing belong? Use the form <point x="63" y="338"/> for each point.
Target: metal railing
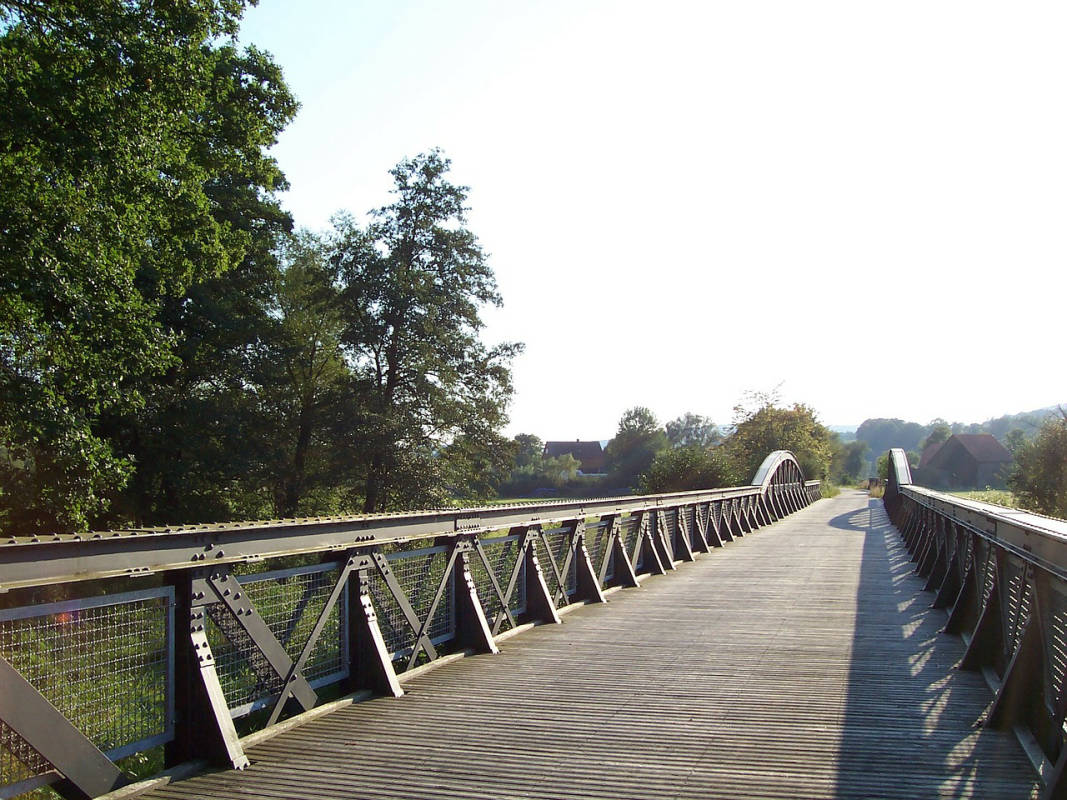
<point x="174" y="637"/>
<point x="1002" y="576"/>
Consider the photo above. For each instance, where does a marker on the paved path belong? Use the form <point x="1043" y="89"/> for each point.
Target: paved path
<point x="802" y="661"/>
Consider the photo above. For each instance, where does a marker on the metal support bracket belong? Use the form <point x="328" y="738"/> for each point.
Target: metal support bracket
<point x="26" y="711"/>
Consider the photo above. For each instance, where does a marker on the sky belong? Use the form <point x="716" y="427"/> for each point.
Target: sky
<point x="859" y="204"/>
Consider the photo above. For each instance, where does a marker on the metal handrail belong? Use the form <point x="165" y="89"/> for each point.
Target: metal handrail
<point x="1002" y="576"/>
<point x="382" y="594"/>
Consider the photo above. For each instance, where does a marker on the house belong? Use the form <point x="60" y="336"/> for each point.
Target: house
<point x="964" y="461"/>
<point x="589" y="455"/>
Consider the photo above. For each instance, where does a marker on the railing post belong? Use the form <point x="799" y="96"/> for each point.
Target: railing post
<point x="625" y="574"/>
<point x="587" y="583"/>
<point x="1022" y="683"/>
<point x="203" y="727"/>
<point x="539" y="603"/>
<point x="472" y="628"/>
<point x="701" y="523"/>
<point x="683" y="543"/>
<point x="371" y="664"/>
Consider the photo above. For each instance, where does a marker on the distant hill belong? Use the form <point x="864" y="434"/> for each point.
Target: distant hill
<point x="846" y="433"/>
<point x="883" y="434"/>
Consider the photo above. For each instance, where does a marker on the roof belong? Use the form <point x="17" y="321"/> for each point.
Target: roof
<point x="984" y="447"/>
<point x="590" y="454"/>
<point x="928" y="454"/>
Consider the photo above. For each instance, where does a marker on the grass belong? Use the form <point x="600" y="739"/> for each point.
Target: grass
<point x="998" y="497"/>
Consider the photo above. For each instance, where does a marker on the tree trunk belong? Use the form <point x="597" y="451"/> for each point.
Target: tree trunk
<point x="293" y="489"/>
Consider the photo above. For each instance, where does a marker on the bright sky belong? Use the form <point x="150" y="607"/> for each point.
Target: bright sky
<point x="862" y="201"/>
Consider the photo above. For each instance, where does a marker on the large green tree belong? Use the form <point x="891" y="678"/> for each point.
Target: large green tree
<point x="637" y="440"/>
<point x="761" y="427"/>
<point x="693" y="429"/>
<point x="133" y="167"/>
<point x="414" y="282"/>
<point x="1040" y="473"/>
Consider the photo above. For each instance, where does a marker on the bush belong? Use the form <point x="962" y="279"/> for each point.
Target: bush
<point x="1039" y="479"/>
<point x="689" y="468"/>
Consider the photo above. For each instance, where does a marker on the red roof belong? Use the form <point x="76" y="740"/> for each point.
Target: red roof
<point x="983" y="446"/>
<point x="928" y="453"/>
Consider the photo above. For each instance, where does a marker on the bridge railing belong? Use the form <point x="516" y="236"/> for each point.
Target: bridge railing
<point x="1002" y="576"/>
<point x="115" y="643"/>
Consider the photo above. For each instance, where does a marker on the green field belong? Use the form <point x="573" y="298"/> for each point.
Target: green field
<point x="999" y="497"/>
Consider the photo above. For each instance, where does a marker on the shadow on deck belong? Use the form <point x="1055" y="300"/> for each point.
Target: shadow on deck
<point x="896" y="703"/>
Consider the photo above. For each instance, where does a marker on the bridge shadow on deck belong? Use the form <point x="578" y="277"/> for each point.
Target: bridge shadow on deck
<point x="916" y="721"/>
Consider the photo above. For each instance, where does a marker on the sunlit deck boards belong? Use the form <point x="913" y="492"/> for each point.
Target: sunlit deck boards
<point x="801" y="661"/>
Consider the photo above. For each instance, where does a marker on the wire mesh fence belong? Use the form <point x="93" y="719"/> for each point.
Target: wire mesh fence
<point x="631" y="535"/>
<point x="597" y="539"/>
<point x="290" y="602"/>
<point x="105" y="662"/>
<point x="557" y="541"/>
<point x="420" y="574"/>
<point x="502" y="553"/>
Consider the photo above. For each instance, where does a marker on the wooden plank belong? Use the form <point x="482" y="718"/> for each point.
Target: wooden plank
<point x="800" y="661"/>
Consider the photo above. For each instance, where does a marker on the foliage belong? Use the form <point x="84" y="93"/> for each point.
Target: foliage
<point x="412" y="285"/>
<point x="882" y="465"/>
<point x="760" y="427"/>
<point x="1040" y="476"/>
<point x="828" y="488"/>
<point x="689" y="467"/>
<point x="638" y="439"/>
<point x="849" y="462"/>
<point x="301" y="375"/>
<point x="529" y="449"/>
<point x="999" y="497"/>
<point x="884" y="434"/>
<point x="940" y="432"/>
<point x="1014" y="439"/>
<point x="556" y="473"/>
<point x="693" y="429"/>
<point x="133" y="166"/>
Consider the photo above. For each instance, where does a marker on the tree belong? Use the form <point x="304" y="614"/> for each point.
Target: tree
<point x="529" y="449"/>
<point x="1040" y="474"/>
<point x="689" y="467"/>
<point x="850" y="462"/>
<point x="301" y="372"/>
<point x="638" y="439"/>
<point x="1014" y="439"/>
<point x="760" y="427"/>
<point x="693" y="429"/>
<point x="133" y="166"/>
<point x="940" y="432"/>
<point x="412" y="285"/>
<point x="884" y="434"/>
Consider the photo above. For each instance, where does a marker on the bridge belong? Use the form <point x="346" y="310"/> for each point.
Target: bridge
<point x="755" y="641"/>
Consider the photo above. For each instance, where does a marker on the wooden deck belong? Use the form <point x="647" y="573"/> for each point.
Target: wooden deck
<point x="802" y="661"/>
